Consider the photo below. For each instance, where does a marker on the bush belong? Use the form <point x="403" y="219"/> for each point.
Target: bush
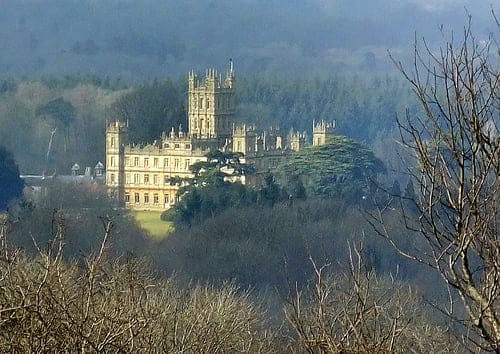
<point x="103" y="305"/>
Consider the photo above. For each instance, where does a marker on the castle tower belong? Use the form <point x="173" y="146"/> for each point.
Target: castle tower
<point x="244" y="139"/>
<point x="322" y="132"/>
<point x="116" y="139"/>
<point x="297" y="141"/>
<point x="211" y="106"/>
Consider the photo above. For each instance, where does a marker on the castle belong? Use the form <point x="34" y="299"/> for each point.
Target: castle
<point x="142" y="176"/>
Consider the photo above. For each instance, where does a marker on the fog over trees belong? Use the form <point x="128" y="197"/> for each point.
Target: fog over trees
<point x="156" y="38"/>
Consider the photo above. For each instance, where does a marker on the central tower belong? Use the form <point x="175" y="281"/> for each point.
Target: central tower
<point x="211" y="105"/>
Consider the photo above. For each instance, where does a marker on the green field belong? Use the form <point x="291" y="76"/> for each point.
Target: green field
<point x="154" y="226"/>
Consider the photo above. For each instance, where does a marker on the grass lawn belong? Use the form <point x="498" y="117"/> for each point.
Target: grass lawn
<point x="154" y="226"/>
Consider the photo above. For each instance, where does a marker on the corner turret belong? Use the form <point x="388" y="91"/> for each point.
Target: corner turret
<point x="116" y="139"/>
<point x="322" y="132"/>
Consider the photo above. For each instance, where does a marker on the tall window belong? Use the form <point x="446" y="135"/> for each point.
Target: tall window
<point x="146" y="162"/>
<point x="112" y="142"/>
<point x="155" y="199"/>
<point x="146" y="198"/>
<point x="136" y="161"/>
<point x="127" y="198"/>
<point x="146" y="179"/>
<point x="137" y="178"/>
<point x="112" y="161"/>
<point x="155" y="162"/>
<point x="155" y="179"/>
<point x="136" y="198"/>
<point x="165" y="162"/>
<point x="127" y="178"/>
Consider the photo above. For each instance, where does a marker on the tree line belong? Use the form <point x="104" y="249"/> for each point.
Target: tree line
<point x="77" y="109"/>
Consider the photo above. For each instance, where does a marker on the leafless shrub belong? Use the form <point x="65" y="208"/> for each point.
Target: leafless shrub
<point x="360" y="312"/>
<point x="48" y="304"/>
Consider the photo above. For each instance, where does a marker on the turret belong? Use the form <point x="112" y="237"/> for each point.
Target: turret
<point x="211" y="106"/>
<point x="244" y="139"/>
<point x="297" y="141"/>
<point x="116" y="139"/>
<point x="229" y="82"/>
<point x="322" y="132"/>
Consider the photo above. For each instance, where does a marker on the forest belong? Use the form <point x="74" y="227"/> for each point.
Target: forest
<point x="385" y="239"/>
<point x="364" y="109"/>
<point x="144" y="40"/>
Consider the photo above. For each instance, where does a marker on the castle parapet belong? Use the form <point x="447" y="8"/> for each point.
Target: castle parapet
<point x="324" y="127"/>
<point x="322" y="132"/>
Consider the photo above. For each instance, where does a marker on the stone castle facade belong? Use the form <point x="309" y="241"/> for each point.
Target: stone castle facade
<point x="146" y="177"/>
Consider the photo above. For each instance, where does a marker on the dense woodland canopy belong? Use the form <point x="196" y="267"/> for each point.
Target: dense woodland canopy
<point x="362" y="108"/>
<point x="142" y="40"/>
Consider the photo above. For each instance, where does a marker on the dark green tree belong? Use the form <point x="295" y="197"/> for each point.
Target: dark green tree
<point x="11" y="185"/>
<point x="62" y="112"/>
<point x="341" y="168"/>
<point x="214" y="187"/>
<point x="150" y="109"/>
<point x="219" y="167"/>
<point x="270" y="193"/>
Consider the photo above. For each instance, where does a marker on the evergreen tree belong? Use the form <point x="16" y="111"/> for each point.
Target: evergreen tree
<point x="11" y="185"/>
<point x="341" y="168"/>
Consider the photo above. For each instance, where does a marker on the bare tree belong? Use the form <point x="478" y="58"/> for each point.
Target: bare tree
<point x="456" y="145"/>
<point x="99" y="304"/>
<point x="358" y="311"/>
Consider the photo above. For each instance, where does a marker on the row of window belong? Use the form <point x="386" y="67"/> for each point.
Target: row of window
<point x="205" y="103"/>
<point x="146" y="199"/>
<point x="176" y="146"/>
<point x="167" y="162"/>
<point x="206" y="123"/>
<point x="138" y="178"/>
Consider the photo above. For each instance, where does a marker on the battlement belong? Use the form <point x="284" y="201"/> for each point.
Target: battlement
<point x="324" y="127"/>
<point x="139" y="149"/>
<point x="322" y="132"/>
<point x="242" y="129"/>
<point x="297" y="140"/>
<point x="116" y="126"/>
<point x="175" y="135"/>
<point x="297" y="135"/>
<point x="213" y="79"/>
